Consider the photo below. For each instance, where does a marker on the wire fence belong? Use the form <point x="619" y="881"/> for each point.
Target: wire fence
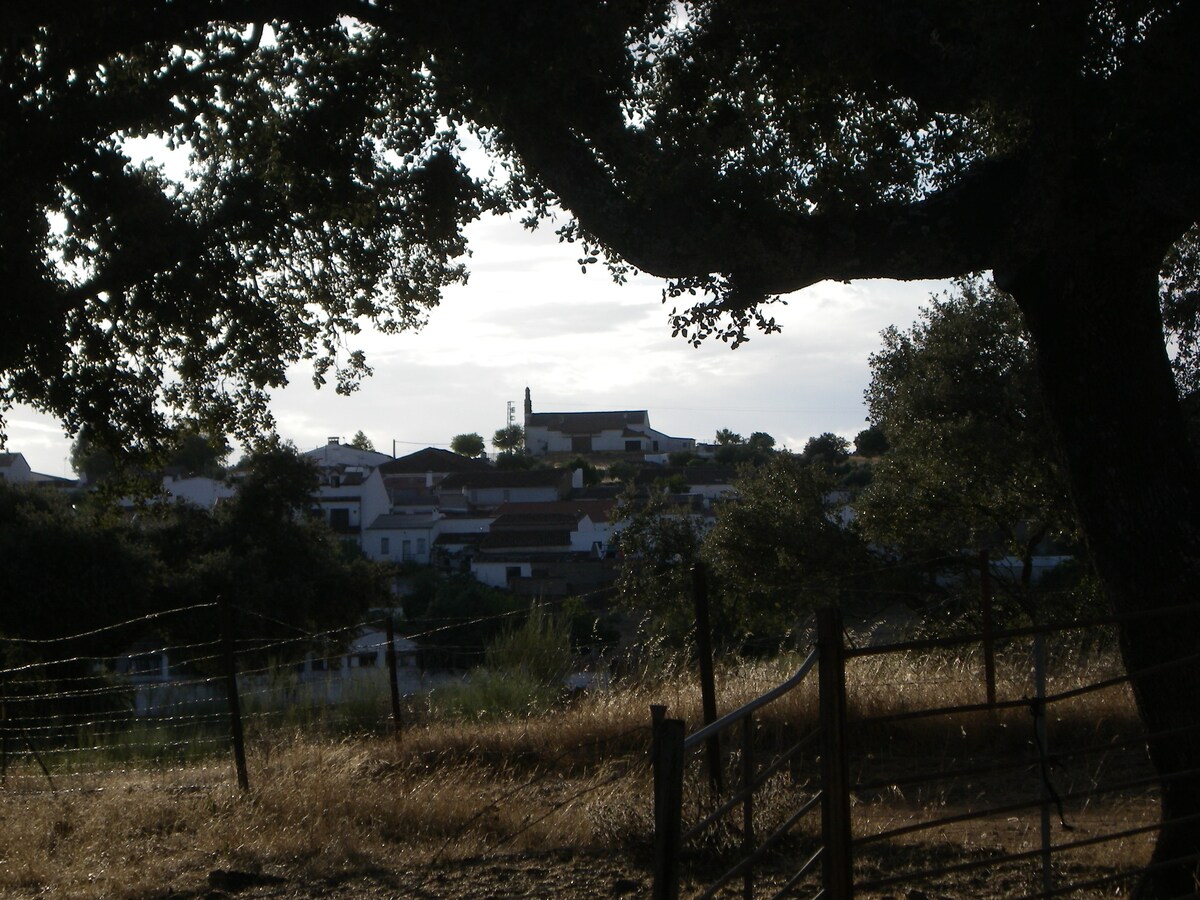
<point x="872" y="770"/>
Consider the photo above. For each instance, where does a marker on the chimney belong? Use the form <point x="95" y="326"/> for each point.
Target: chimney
<point x="528" y="406"/>
<point x="334" y="441"/>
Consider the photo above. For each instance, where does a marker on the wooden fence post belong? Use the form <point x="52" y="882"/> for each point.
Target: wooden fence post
<point x="231" y="692"/>
<point x="836" y="860"/>
<point x="1039" y="725"/>
<point x="667" y="751"/>
<point x="748" y="773"/>
<point x="393" y="678"/>
<point x="3" y="729"/>
<point x="989" y="627"/>
<point x="708" y="679"/>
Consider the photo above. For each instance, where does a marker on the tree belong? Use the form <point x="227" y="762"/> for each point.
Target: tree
<point x="743" y="150"/>
<point x="760" y="440"/>
<point x="734" y="450"/>
<point x="725" y="437"/>
<point x="198" y="454"/>
<point x="509" y="439"/>
<point x="360" y="441"/>
<point x="468" y="444"/>
<point x="342" y="204"/>
<point x="591" y="475"/>
<point x="801" y="556"/>
<point x="970" y="468"/>
<point x="826" y="449"/>
<point x="658" y="543"/>
<point x="871" y="442"/>
<point x="89" y="460"/>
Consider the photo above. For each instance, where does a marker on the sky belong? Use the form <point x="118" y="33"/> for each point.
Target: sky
<point x="529" y="318"/>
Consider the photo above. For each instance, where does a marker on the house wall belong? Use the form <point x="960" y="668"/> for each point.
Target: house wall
<point x="588" y="533"/>
<point x="202" y="492"/>
<point x="17" y="470"/>
<point x="541" y="439"/>
<point x="400" y="544"/>
<point x="364" y="502"/>
<point x="496" y="572"/>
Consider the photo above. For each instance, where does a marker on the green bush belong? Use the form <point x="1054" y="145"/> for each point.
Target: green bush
<point x="493" y="695"/>
<point x="540" y="649"/>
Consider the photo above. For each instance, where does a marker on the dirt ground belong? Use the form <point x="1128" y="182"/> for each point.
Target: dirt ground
<point x="560" y="875"/>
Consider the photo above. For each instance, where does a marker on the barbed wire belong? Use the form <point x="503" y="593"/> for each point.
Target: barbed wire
<point x="149" y="617"/>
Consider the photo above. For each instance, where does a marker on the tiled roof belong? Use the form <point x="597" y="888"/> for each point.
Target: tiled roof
<point x="532" y="521"/>
<point x="432" y="459"/>
<point x="598" y="510"/>
<point x="588" y="422"/>
<point x="460" y="537"/>
<point x="503" y="479"/>
<point x="527" y="539"/>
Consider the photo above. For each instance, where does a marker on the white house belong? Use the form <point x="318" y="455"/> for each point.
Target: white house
<point x="709" y="482"/>
<point x="334" y="454"/>
<point x="14" y="469"/>
<point x="401" y="538"/>
<point x="487" y="490"/>
<point x="620" y="431"/>
<point x="351" y="498"/>
<point x="199" y="491"/>
<point x="413" y="481"/>
<point x="546" y="548"/>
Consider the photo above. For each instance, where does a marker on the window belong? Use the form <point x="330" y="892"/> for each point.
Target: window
<point x="339" y="519"/>
<point x="511" y="573"/>
<point x="406" y="550"/>
<point x="421" y="548"/>
<point x="633" y="446"/>
<point x="385" y="546"/>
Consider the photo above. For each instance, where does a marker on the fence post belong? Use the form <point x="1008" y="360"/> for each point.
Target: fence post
<point x="708" y="679"/>
<point x="393" y="678"/>
<point x="3" y="729"/>
<point x="836" y="861"/>
<point x="989" y="642"/>
<point x="1039" y="725"/>
<point x="748" y="767"/>
<point x="667" y="752"/>
<point x="231" y="692"/>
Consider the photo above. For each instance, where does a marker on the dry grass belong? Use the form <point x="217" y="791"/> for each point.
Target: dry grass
<point x="453" y="790"/>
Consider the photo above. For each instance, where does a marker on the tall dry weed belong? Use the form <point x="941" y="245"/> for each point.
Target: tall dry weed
<point x="446" y="790"/>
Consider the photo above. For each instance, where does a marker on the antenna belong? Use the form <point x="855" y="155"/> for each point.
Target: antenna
<point x="512" y="412"/>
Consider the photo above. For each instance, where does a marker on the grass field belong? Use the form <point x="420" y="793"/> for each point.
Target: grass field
<point x="561" y="800"/>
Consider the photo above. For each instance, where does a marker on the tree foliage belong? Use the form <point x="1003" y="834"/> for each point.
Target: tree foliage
<point x="780" y="550"/>
<point x="323" y="192"/>
<point x="775" y="553"/>
<point x="734" y="450"/>
<point x="471" y="444"/>
<point x="827" y="449"/>
<point x="509" y="439"/>
<point x="972" y="465"/>
<point x="742" y="150"/>
<point x="262" y="552"/>
<point x="360" y="441"/>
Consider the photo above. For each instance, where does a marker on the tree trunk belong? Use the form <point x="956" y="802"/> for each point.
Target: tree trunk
<point x="1092" y="308"/>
